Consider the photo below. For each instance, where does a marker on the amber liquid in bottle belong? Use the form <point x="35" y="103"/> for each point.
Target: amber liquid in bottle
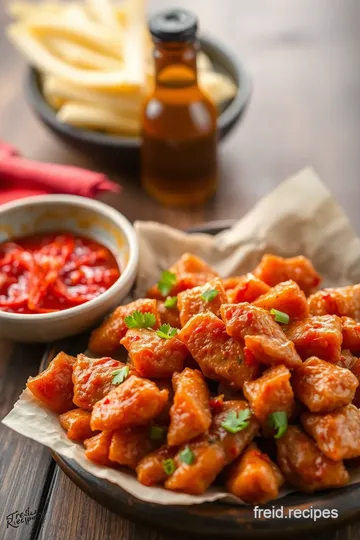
<point x="179" y="165"/>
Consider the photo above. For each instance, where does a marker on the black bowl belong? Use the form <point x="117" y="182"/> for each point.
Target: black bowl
<point x="101" y="145"/>
<point x="288" y="517"/>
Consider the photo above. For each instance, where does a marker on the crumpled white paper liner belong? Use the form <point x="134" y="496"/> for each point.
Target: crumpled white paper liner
<point x="298" y="217"/>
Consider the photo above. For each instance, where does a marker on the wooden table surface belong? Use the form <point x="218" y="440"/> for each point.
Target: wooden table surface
<point x="304" y="59"/>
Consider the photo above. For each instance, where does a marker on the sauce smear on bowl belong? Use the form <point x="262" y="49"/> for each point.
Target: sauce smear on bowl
<point x="53" y="271"/>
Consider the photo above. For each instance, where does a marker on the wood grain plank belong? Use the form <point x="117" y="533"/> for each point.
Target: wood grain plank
<point x="24" y="464"/>
<point x="303" y="56"/>
<point x="78" y="516"/>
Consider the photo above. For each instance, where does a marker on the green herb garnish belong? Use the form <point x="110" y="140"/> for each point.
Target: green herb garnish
<point x="278" y="420"/>
<point x="166" y="282"/>
<point x="280" y="316"/>
<point x="235" y="422"/>
<point x="187" y="456"/>
<point x="169" y="466"/>
<point x="166" y="331"/>
<point x="170" y="302"/>
<point x="157" y="433"/>
<point x="140" y="320"/>
<point x="207" y="296"/>
<point x="119" y="375"/>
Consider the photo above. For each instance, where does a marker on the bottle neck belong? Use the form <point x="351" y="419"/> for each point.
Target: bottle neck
<point x="175" y="64"/>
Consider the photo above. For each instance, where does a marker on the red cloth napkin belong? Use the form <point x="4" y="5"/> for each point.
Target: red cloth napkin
<point x="20" y="177"/>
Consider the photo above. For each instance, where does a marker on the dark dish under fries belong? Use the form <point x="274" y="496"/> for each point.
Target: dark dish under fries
<point x="255" y="377"/>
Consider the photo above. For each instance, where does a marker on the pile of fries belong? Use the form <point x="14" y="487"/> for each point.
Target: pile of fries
<point x="95" y="58"/>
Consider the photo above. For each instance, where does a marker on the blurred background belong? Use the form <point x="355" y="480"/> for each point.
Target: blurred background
<point x="303" y="57"/>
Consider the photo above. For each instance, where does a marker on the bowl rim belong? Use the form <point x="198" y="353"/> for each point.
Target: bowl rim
<point x="226" y="118"/>
<point x="120" y="221"/>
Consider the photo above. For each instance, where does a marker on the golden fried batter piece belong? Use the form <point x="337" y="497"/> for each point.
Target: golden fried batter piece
<point x="219" y="356"/>
<point x="232" y="444"/>
<point x="351" y="334"/>
<point x="305" y="466"/>
<point x="128" y="446"/>
<point x="341" y="301"/>
<point x="323" y="387"/>
<point x="92" y="378"/>
<point x="254" y="477"/>
<point x="192" y="264"/>
<point x="347" y="360"/>
<point x="196" y="477"/>
<point x="273" y="270"/>
<point x="134" y="402"/>
<point x="190" y="413"/>
<point x="247" y="289"/>
<point x="164" y="417"/>
<point x="150" y="470"/>
<point x="76" y="424"/>
<point x="231" y="282"/>
<point x="169" y="315"/>
<point x="272" y="392"/>
<point x="255" y="328"/>
<point x="337" y="434"/>
<point x="190" y="271"/>
<point x="286" y="297"/>
<point x="319" y="336"/>
<point x="105" y="340"/>
<point x="153" y="356"/>
<point x="54" y="386"/>
<point x="193" y="301"/>
<point x="97" y="448"/>
<point x="351" y="362"/>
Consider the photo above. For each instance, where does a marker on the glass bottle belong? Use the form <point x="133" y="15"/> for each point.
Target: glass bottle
<point x="179" y="149"/>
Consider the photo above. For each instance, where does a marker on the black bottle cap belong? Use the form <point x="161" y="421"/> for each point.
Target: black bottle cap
<point x="173" y="25"/>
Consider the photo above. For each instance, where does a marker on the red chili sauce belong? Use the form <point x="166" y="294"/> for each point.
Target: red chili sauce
<point x="53" y="271"/>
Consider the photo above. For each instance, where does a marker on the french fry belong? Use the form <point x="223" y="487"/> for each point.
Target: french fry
<point x="105" y="13"/>
<point x="45" y="61"/>
<point x="95" y="60"/>
<point x="134" y="42"/>
<point x="94" y="117"/>
<point x="203" y="62"/>
<point x="120" y="12"/>
<point x="83" y="57"/>
<point x="23" y="10"/>
<point x="218" y="86"/>
<point x="75" y="27"/>
<point x="57" y="90"/>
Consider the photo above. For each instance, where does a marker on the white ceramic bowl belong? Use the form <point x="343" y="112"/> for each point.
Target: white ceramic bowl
<point x="80" y="216"/>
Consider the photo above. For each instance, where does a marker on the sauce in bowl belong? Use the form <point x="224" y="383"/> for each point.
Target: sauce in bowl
<point x="52" y="272"/>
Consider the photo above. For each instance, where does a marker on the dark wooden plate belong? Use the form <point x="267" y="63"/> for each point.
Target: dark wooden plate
<point x="220" y="520"/>
<point x="112" y="147"/>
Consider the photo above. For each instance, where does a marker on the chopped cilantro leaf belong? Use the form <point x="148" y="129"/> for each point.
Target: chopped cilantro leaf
<point x="278" y="420"/>
<point x="280" y="316"/>
<point x="187" y="455"/>
<point x="235" y="422"/>
<point x="166" y="282"/>
<point x="169" y="466"/>
<point x="207" y="296"/>
<point x="140" y="320"/>
<point x="119" y="375"/>
<point x="170" y="302"/>
<point x="166" y="331"/>
<point x="157" y="433"/>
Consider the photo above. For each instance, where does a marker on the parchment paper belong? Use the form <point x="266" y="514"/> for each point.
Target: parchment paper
<point x="299" y="217"/>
